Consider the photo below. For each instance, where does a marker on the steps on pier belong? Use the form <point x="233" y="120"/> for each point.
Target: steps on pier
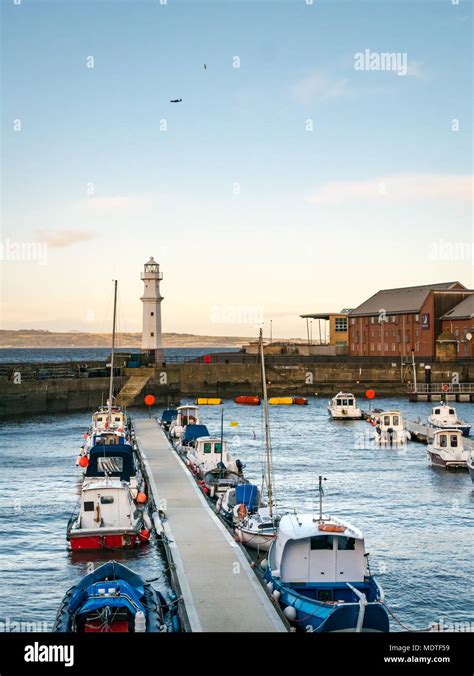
<point x="132" y="388"/>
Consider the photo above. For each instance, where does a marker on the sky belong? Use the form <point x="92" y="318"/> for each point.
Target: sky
<point x="287" y="181"/>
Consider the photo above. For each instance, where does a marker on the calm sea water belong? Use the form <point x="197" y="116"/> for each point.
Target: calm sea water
<point x="417" y="520"/>
<point x="54" y="354"/>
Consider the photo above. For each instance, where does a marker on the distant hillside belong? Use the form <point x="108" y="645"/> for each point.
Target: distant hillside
<point x="37" y="338"/>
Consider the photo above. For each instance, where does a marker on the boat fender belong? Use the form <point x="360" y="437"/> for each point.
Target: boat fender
<point x="276" y="594"/>
<point x="270" y="586"/>
<point x="148" y="521"/>
<point x="140" y="622"/>
<point x="240" y="512"/>
<point x="290" y="613"/>
<point x="264" y="564"/>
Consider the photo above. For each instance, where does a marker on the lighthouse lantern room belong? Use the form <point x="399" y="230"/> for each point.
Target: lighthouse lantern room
<point x="151" y="299"/>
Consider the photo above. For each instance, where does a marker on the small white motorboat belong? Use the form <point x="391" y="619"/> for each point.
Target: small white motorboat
<point x="390" y="430"/>
<point x="185" y="415"/>
<point x="215" y="468"/>
<point x="445" y="417"/>
<point x="446" y="450"/>
<point x="344" y="407"/>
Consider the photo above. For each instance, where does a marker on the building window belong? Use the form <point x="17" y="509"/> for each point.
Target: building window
<point x="353" y="347"/>
<point x="371" y="347"/>
<point x="372" y="320"/>
<point x="353" y="321"/>
<point x="417" y="318"/>
<point x="393" y="319"/>
<point x="340" y="324"/>
<point x="393" y="347"/>
<point x="417" y="347"/>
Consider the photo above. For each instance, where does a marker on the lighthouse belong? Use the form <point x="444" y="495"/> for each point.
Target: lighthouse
<point x="151" y="299"/>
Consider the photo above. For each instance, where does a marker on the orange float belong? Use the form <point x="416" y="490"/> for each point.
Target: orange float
<point x="247" y="400"/>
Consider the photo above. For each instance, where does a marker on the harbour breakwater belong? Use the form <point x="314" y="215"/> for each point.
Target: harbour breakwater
<point x="28" y="389"/>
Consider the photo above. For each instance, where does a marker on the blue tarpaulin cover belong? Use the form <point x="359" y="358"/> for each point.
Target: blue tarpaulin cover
<point x="194" y="432"/>
<point x="168" y="415"/>
<point x="246" y="494"/>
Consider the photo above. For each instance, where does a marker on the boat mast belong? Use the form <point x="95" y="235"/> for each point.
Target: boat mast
<point x="222" y="440"/>
<point x="267" y="427"/>
<point x="111" y="383"/>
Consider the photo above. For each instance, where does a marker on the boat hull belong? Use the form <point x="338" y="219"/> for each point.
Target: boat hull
<point x="446" y="463"/>
<point x="315" y="616"/>
<point x="261" y="542"/>
<point x="89" y="541"/>
<point x="464" y="429"/>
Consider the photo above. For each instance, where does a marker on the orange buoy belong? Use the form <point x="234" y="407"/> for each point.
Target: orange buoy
<point x="83" y="462"/>
<point x="86" y="436"/>
<point x="302" y="401"/>
<point x="370" y="394"/>
<point x="149" y="399"/>
<point x="141" y="498"/>
<point x="248" y="400"/>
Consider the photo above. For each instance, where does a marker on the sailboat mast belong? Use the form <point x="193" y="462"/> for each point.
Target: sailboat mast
<point x="267" y="427"/>
<point x="111" y="383"/>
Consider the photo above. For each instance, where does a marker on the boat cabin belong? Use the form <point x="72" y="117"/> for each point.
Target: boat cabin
<point x="187" y="415"/>
<point x="343" y="400"/>
<point x="209" y="452"/>
<point x="444" y="415"/>
<point x="448" y="440"/>
<point x="390" y="420"/>
<point x="100" y="419"/>
<point x="114" y="460"/>
<point x="106" y="504"/>
<point x="313" y="552"/>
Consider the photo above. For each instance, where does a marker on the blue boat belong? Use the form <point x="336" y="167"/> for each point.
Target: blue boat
<point x="317" y="569"/>
<point x="111" y="599"/>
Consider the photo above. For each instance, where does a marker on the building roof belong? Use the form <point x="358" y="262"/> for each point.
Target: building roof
<point x="463" y="310"/>
<point x="406" y="299"/>
<point x="326" y="315"/>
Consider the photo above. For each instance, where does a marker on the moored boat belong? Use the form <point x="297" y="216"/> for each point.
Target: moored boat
<point x="189" y="436"/>
<point x="215" y="468"/>
<point x="257" y="526"/>
<point x="446" y="450"/>
<point x="108" y="517"/>
<point x="445" y="417"/>
<point x="185" y="415"/>
<point x="317" y="570"/>
<point x="343" y="406"/>
<point x="300" y="401"/>
<point x="390" y="430"/>
<point x="111" y="599"/>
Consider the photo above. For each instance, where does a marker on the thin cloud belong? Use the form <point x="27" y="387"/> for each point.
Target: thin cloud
<point x="315" y="88"/>
<point x="59" y="239"/>
<point x="119" y="202"/>
<point x="415" y="69"/>
<point x="395" y="187"/>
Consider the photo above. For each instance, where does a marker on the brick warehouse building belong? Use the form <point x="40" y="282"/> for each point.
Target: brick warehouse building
<point x="460" y="322"/>
<point x="394" y="321"/>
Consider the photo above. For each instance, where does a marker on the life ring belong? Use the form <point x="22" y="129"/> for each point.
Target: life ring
<point x="331" y="528"/>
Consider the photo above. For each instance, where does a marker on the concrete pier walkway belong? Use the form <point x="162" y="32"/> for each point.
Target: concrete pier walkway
<point x="220" y="591"/>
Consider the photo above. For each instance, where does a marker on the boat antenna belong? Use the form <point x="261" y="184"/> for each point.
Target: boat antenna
<point x="321" y="494"/>
<point x="111" y="384"/>
<point x="268" y="449"/>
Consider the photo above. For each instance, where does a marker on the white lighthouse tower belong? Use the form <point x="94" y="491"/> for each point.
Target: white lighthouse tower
<point x="151" y="299"/>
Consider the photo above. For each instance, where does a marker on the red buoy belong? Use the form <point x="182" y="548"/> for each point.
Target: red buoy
<point x="83" y="462"/>
<point x="248" y="400"/>
<point x="149" y="399"/>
